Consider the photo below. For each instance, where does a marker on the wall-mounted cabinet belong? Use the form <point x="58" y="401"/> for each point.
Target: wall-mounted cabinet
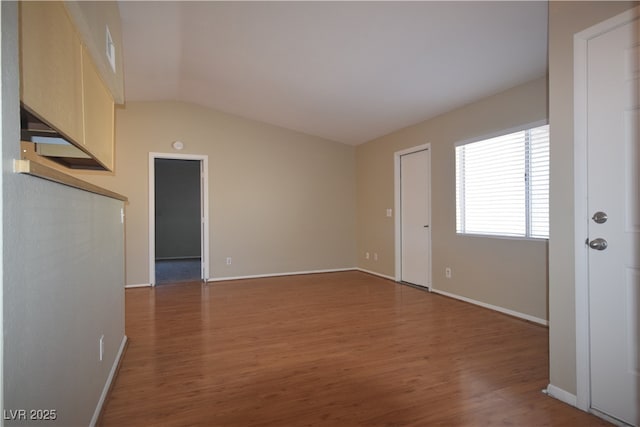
<point x="60" y="86"/>
<point x="50" y="67"/>
<point x="98" y="114"/>
<point x="98" y="23"/>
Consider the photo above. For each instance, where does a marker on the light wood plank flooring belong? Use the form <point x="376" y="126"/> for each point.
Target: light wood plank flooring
<point x="337" y="349"/>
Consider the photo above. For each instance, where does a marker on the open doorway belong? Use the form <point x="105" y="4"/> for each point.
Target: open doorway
<point x="178" y="218"/>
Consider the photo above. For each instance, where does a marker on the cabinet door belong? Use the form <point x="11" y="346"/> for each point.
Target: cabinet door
<point x="50" y="67"/>
<point x="98" y="114"/>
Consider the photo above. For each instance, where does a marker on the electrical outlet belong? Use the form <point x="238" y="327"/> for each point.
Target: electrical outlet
<point x="366" y="255"/>
<point x="447" y="273"/>
<point x="101" y="347"/>
<point x="375" y="256"/>
<point x="229" y="260"/>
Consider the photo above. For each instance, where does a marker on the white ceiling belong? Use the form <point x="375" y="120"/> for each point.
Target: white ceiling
<point x="346" y="71"/>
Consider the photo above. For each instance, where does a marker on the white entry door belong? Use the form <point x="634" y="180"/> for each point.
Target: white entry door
<point x="613" y="167"/>
<point x="415" y="209"/>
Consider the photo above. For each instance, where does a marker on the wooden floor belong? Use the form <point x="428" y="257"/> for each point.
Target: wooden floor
<point x="337" y="349"/>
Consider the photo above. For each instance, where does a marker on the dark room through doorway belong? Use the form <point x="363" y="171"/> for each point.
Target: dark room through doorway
<point x="178" y="220"/>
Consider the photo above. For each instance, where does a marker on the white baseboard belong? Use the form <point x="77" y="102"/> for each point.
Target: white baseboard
<point x="107" y="385"/>
<point x="561" y="395"/>
<point x="493" y="307"/>
<point x="384" y="276"/>
<point x="293" y="273"/>
<point x="141" y="285"/>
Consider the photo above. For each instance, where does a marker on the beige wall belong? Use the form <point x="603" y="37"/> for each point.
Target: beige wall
<point x="279" y="201"/>
<point x="565" y="19"/>
<point x="508" y="273"/>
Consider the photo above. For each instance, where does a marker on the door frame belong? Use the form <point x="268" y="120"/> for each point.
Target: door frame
<point x="204" y="210"/>
<point x="398" y="214"/>
<point x="581" y="214"/>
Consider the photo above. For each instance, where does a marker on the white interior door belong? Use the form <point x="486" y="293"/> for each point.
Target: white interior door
<point x="203" y="272"/>
<point x="613" y="70"/>
<point x="415" y="210"/>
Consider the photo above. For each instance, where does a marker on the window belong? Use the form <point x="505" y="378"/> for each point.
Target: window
<point x="502" y="185"/>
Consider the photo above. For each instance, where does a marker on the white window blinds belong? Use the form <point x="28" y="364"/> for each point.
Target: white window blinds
<point x="502" y="185"/>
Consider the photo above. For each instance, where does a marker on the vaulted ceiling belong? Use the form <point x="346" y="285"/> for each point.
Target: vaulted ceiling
<point x="345" y="71"/>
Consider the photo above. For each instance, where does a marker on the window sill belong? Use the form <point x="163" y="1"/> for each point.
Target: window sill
<point x="500" y="237"/>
